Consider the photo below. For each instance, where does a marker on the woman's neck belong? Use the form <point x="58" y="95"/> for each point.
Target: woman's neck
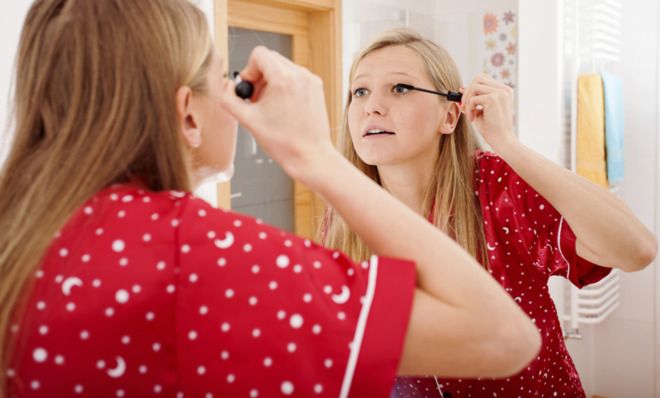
<point x="407" y="182"/>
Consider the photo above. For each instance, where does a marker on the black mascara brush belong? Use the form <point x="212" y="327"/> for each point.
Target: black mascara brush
<point x="451" y="95"/>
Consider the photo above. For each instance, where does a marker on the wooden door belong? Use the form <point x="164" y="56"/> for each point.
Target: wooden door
<point x="314" y="28"/>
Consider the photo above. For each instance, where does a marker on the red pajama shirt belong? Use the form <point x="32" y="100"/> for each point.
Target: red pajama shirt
<point x="146" y="294"/>
<point x="528" y="241"/>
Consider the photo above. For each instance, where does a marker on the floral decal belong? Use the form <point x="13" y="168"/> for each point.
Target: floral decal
<point x="490" y="23"/>
<point x="501" y="46"/>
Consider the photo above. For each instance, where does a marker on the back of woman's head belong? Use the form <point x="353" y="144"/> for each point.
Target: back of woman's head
<point x="449" y="199"/>
<point x="94" y="104"/>
<point x="95" y="86"/>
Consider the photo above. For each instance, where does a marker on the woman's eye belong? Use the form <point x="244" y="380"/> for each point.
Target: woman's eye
<point x="400" y="89"/>
<point x="359" y="92"/>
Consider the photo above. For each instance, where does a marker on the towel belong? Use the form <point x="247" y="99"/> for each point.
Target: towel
<point x="613" y="88"/>
<point x="590" y="145"/>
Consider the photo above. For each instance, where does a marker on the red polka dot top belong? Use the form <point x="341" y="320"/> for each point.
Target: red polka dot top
<point x="527" y="241"/>
<point x="158" y="294"/>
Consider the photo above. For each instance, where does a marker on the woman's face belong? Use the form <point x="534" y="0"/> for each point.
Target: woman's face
<point x="218" y="127"/>
<point x="411" y="120"/>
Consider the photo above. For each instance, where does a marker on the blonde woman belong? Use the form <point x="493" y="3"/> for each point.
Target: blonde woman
<point x="116" y="281"/>
<point x="522" y="217"/>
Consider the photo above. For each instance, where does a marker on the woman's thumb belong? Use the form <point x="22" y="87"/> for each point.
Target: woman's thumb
<point x="236" y="106"/>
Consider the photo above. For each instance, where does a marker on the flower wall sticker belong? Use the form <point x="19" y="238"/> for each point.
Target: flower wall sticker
<point x="509" y="17"/>
<point x="501" y="46"/>
<point x="490" y="23"/>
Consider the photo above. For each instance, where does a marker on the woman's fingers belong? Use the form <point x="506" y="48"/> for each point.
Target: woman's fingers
<point x="477" y="104"/>
<point x="489" y="104"/>
<point x="482" y="85"/>
<point x="235" y="105"/>
<point x="286" y="114"/>
<point x="482" y="88"/>
<point x="490" y="81"/>
<point x="263" y="67"/>
<point x="468" y="104"/>
<point x="260" y="65"/>
<point x="285" y="60"/>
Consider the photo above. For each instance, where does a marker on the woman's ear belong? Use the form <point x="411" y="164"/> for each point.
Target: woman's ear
<point x="188" y="121"/>
<point x="450" y="119"/>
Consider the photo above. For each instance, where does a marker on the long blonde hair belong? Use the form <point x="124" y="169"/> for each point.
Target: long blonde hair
<point x="94" y="104"/>
<point x="450" y="197"/>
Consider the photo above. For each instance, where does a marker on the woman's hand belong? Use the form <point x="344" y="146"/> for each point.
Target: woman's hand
<point x="489" y="104"/>
<point x="286" y="114"/>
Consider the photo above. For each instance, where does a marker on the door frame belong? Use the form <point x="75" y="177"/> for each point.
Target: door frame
<point x="315" y="26"/>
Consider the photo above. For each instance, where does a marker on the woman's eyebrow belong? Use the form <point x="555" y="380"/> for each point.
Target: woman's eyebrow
<point x="389" y="74"/>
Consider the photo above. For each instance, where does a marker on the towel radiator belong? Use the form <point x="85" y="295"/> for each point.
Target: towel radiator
<point x="592" y="43"/>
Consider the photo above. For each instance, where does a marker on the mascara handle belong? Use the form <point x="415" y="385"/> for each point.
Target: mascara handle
<point x="244" y="89"/>
<point x="454" y="96"/>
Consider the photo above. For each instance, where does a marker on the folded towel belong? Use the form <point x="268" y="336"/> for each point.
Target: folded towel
<point x="614" y="117"/>
<point x="590" y="145"/>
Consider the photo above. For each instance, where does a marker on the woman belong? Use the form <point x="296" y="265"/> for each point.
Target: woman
<point x="521" y="216"/>
<point x="116" y="281"/>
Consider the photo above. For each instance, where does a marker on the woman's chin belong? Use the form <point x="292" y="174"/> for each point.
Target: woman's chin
<point x="378" y="160"/>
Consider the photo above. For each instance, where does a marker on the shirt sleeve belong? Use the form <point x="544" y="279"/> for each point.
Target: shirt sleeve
<point x="261" y="312"/>
<point x="543" y="236"/>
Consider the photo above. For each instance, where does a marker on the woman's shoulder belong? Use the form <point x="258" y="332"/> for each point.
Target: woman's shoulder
<point x="131" y="209"/>
<point x="225" y="228"/>
<point x="132" y="198"/>
<point x="139" y="199"/>
<point x="182" y="218"/>
<point x="484" y="158"/>
<point x="490" y="168"/>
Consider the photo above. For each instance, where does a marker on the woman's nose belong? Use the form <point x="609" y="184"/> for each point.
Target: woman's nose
<point x="375" y="105"/>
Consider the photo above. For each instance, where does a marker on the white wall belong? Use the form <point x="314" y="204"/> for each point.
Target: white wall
<point x="625" y="353"/>
<point x="12" y="13"/>
<point x="539" y="77"/>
